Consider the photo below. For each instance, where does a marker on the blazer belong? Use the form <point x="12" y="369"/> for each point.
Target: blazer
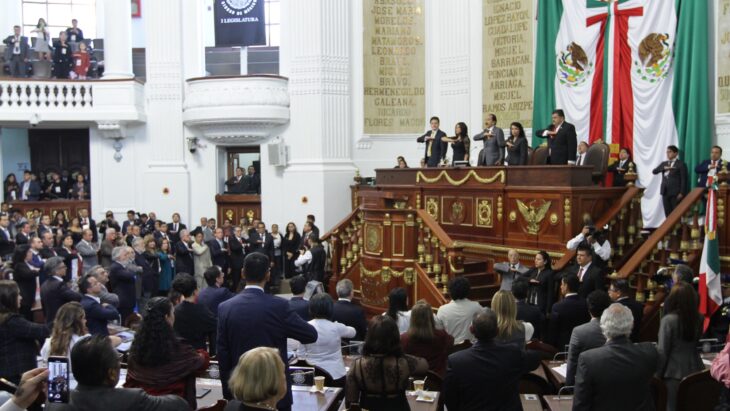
<point x="26" y="279"/>
<point x="351" y="314"/>
<point x="703" y="168"/>
<point x="98" y="316"/>
<point x="7" y="244"/>
<point x="616" y="376"/>
<point x="184" y="261"/>
<point x="34" y="190"/>
<point x="592" y="279"/>
<point x="237" y="186"/>
<point x="68" y="257"/>
<point x="300" y="306"/>
<point x="486" y="377"/>
<point x="218" y="254"/>
<point x="105" y="254"/>
<point x="78" y="33"/>
<point x="563" y="145"/>
<point x="265" y="247"/>
<point x="678" y="358"/>
<point x="118" y="399"/>
<point x="438" y="148"/>
<point x="531" y="314"/>
<point x="122" y="282"/>
<point x="254" y="319"/>
<point x="619" y="171"/>
<point x="254" y="184"/>
<point x="566" y="314"/>
<point x="54" y="294"/>
<point x="88" y="253"/>
<point x="21" y="238"/>
<point x="675" y="182"/>
<point x="92" y="227"/>
<point x="236" y="247"/>
<point x="10" y="43"/>
<point x="493" y="147"/>
<point x="195" y="324"/>
<point x="212" y="297"/>
<point x="545" y="289"/>
<point x="175" y="235"/>
<point x="18" y="348"/>
<point x="637" y="310"/>
<point x="583" y="338"/>
<point x="517" y="154"/>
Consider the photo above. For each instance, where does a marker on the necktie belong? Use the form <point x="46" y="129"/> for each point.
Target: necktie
<point x="16" y="49"/>
<point x="580" y="274"/>
<point x="580" y="159"/>
<point x="430" y="143"/>
<point x="175" y="225"/>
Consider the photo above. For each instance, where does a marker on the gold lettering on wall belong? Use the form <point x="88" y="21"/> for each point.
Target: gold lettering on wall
<point x="507" y="82"/>
<point x="394" y="57"/>
<point x="723" y="57"/>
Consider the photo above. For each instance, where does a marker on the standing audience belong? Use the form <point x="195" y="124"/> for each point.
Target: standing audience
<point x="456" y="316"/>
<point x="98" y="313"/>
<point x="347" y="312"/>
<point x="213" y="295"/>
<point x="511" y="331"/>
<point x="423" y="339"/>
<point x="587" y="336"/>
<point x="194" y="323"/>
<point x="398" y="308"/>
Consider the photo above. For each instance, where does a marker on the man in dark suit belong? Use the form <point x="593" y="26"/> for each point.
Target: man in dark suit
<point x="297" y="303"/>
<point x="194" y="323"/>
<point x="493" y="138"/>
<point x="7" y="243"/>
<point x="23" y="236"/>
<point x="44" y="226"/>
<point x="131" y="220"/>
<point x="184" y="254"/>
<point x="713" y="165"/>
<point x="106" y="247"/>
<point x="254" y="181"/>
<point x="526" y="311"/>
<point x="237" y="184"/>
<point x="589" y="335"/>
<point x="254" y="319"/>
<point x="621" y="167"/>
<point x="236" y="245"/>
<point x="88" y="223"/>
<point x="17" y="53"/>
<point x="74" y="33"/>
<point x="619" y="292"/>
<point x="589" y="274"/>
<point x="347" y="312"/>
<point x="30" y="190"/>
<point x="674" y="180"/>
<point x="312" y="260"/>
<point x="122" y="280"/>
<point x="261" y="241"/>
<point x="562" y="139"/>
<point x="616" y="376"/>
<point x="98" y="314"/>
<point x="174" y="228"/>
<point x="436" y="148"/>
<point x="568" y="313"/>
<point x="213" y="295"/>
<point x="487" y="375"/>
<point x="54" y="291"/>
<point x="219" y="250"/>
<point x="313" y="227"/>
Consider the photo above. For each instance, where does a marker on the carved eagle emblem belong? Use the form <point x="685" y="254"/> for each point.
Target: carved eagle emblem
<point x="533" y="215"/>
<point x="652" y="48"/>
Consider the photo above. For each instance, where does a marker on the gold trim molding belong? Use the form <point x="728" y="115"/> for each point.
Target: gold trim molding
<point x="500" y="175"/>
<point x="502" y="249"/>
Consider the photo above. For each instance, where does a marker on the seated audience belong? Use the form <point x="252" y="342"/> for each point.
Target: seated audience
<point x="567" y="314"/>
<point x="194" y="323"/>
<point x="19" y="336"/>
<point x="589" y="335"/>
<point x="456" y="315"/>
<point x="398" y="308"/>
<point x="510" y="270"/>
<point x="680" y="330"/>
<point x="102" y="276"/>
<point x="215" y="294"/>
<point x="510" y="331"/>
<point x="423" y="339"/>
<point x="258" y="382"/>
<point x="619" y="292"/>
<point x="55" y="292"/>
<point x="98" y="313"/>
<point x="542" y="283"/>
<point x="486" y="376"/>
<point x="616" y="376"/>
<point x="159" y="362"/>
<point x="347" y="312"/>
<point x="68" y="328"/>
<point x="32" y="385"/>
<point x="382" y="355"/>
<point x="326" y="352"/>
<point x="526" y="312"/>
<point x="297" y="303"/>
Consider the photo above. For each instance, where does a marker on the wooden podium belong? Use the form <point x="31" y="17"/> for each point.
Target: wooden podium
<point x="234" y="207"/>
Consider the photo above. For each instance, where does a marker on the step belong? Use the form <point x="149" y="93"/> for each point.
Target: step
<point x="482" y="278"/>
<point x="483" y="292"/>
<point x="474" y="266"/>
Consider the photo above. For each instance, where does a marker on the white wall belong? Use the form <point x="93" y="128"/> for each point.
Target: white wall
<point x="15" y="151"/>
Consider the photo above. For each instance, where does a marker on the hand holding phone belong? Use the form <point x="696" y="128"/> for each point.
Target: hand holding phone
<point x="58" y="380"/>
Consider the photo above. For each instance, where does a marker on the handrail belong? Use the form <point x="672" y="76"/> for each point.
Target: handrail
<point x="658" y="235"/>
<point x="612" y="213"/>
<point x="344" y="222"/>
<point x="436" y="228"/>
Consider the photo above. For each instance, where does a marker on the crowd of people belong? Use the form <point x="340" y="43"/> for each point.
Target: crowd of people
<point x="70" y="53"/>
<point x="53" y="185"/>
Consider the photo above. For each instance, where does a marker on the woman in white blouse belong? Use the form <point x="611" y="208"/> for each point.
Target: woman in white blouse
<point x="68" y="328"/>
<point x="326" y="352"/>
<point x="201" y="259"/>
<point x="398" y="308"/>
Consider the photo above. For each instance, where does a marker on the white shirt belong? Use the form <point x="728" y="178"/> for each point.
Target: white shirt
<point x="601" y="250"/>
<point x="254" y="286"/>
<point x="456" y="318"/>
<point x="303" y="259"/>
<point x="16" y="45"/>
<point x="404" y="320"/>
<point x="93" y="297"/>
<point x="326" y="352"/>
<point x="582" y="271"/>
<point x="10" y="405"/>
<point x="46" y="352"/>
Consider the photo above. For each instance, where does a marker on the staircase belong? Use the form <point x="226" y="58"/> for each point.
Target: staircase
<point x="483" y="283"/>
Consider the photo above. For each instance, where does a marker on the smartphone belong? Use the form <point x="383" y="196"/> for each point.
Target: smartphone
<point x="58" y="380"/>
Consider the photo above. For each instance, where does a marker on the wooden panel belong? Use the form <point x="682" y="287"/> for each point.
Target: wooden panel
<point x="58" y="149"/>
<point x="69" y="207"/>
<point x="234" y="207"/>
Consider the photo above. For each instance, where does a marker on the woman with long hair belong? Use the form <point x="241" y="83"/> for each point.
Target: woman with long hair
<point x="509" y="329"/>
<point x="11" y="188"/>
<point x="290" y="248"/>
<point x="75" y="229"/>
<point x="159" y="362"/>
<point x="542" y="283"/>
<point x="398" y="308"/>
<point x="167" y="268"/>
<point x="69" y="327"/>
<point x="70" y="258"/>
<point x="679" y="334"/>
<point x="516" y="145"/>
<point x="79" y="190"/>
<point x="460" y="143"/>
<point x="378" y="380"/>
<point x="19" y="337"/>
<point x="42" y="40"/>
<point x="59" y="221"/>
<point x="26" y="275"/>
<point x="424" y="340"/>
<point x="401" y="162"/>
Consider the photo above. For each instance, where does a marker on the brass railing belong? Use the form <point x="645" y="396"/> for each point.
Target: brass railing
<point x="440" y="257"/>
<point x="345" y="242"/>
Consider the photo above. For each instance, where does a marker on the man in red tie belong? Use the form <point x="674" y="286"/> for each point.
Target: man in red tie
<point x="709" y="167"/>
<point x="588" y="273"/>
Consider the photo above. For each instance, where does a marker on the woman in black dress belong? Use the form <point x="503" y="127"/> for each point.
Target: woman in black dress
<point x="11" y="188"/>
<point x="542" y="284"/>
<point x="460" y="144"/>
<point x="63" y="61"/>
<point x="290" y="249"/>
<point x="516" y="145"/>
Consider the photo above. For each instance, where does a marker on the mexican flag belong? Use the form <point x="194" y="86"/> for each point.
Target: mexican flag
<point x="632" y="73"/>
<point x="710" y="291"/>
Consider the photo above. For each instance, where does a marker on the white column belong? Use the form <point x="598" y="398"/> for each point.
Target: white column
<point x="12" y="14"/>
<point x="193" y="12"/>
<point x="118" y="39"/>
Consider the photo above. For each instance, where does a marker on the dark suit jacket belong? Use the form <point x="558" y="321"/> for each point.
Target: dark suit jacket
<point x="112" y="399"/>
<point x="122" y="283"/>
<point x="7" y="244"/>
<point x="300" y="306"/>
<point x="518" y="152"/>
<point x="254" y="184"/>
<point x="68" y="258"/>
<point x="237" y="252"/>
<point x="352" y="315"/>
<point x="567" y="314"/>
<point x="584" y="337"/>
<point x="79" y="34"/>
<point x="486" y="377"/>
<point x="21" y="239"/>
<point x="175" y="235"/>
<point x="195" y="324"/>
<point x="237" y="187"/>
<point x="34" y="190"/>
<point x="218" y="255"/>
<point x="703" y="168"/>
<point x="253" y="319"/>
<point x="184" y="260"/>
<point x="563" y="145"/>
<point x="211" y="297"/>
<point x="531" y="314"/>
<point x="637" y="310"/>
<point x="675" y="182"/>
<point x="54" y="294"/>
<point x="618" y="173"/>
<point x="25" y="277"/>
<point x="438" y="148"/>
<point x="24" y="47"/>
<point x="616" y="377"/>
<point x="265" y="247"/>
<point x="97" y="316"/>
<point x="592" y="279"/>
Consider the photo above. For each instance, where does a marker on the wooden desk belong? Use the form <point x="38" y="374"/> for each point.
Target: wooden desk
<point x="530" y="402"/>
<point x="314" y="401"/>
<point x="553" y="377"/>
<point x="559" y="403"/>
<point x="215" y="394"/>
<point x="416" y="405"/>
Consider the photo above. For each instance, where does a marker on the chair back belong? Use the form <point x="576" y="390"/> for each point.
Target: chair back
<point x="539" y="156"/>
<point x="460" y="346"/>
<point x="534" y="384"/>
<point x="597" y="156"/>
<point x="546" y="351"/>
<point x="659" y="393"/>
<point x="220" y="405"/>
<point x="698" y="392"/>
